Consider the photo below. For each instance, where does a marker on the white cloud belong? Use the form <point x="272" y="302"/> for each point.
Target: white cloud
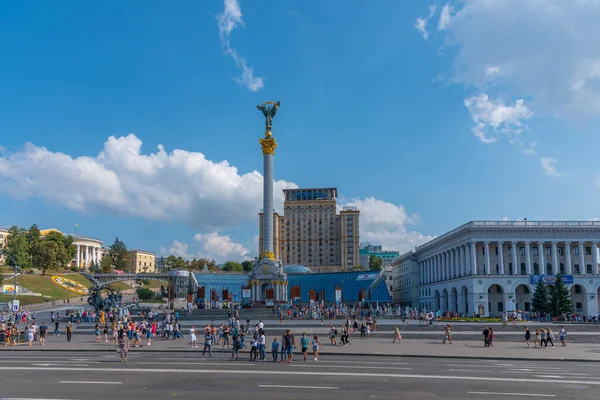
<point x="492" y="71"/>
<point x="211" y="246"/>
<point x="386" y="223"/>
<point x="547" y="50"/>
<point x="180" y="185"/>
<point x="421" y="23"/>
<point x="549" y="166"/>
<point x="228" y="20"/>
<point x="496" y="118"/>
<point x="445" y="17"/>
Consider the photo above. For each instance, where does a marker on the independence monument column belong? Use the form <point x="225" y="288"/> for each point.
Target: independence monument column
<point x="268" y="279"/>
<point x="268" y="145"/>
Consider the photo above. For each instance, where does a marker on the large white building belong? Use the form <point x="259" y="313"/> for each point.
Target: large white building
<point x="488" y="267"/>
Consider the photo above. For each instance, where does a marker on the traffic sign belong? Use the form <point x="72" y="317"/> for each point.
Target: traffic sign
<point x="15" y="305"/>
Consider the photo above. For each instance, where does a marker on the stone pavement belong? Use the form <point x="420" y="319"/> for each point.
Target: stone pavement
<point x="516" y="350"/>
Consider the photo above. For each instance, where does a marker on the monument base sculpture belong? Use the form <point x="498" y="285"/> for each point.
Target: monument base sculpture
<point x="268" y="283"/>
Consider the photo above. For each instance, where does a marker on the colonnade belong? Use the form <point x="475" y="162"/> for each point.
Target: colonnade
<point x="87" y="254"/>
<point x="280" y="290"/>
<point x="462" y="260"/>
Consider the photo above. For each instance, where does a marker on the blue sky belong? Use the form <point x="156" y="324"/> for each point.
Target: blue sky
<point x="423" y="114"/>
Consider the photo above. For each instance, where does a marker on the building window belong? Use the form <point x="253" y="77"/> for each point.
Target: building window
<point x="523" y="269"/>
<point x="500" y="306"/>
<point x="534" y="251"/>
<point x="510" y="269"/>
<point x="578" y="307"/>
<point x="588" y="269"/>
<point x="496" y="250"/>
<point x="527" y="306"/>
<point x="548" y="269"/>
<point x="577" y="289"/>
<point x="547" y="251"/>
<point x="561" y="251"/>
<point x="575" y="251"/>
<point x="576" y="268"/>
<point x="483" y="250"/>
<point x="536" y="269"/>
<point x="588" y="251"/>
<point x="562" y="268"/>
<point x="522" y="251"/>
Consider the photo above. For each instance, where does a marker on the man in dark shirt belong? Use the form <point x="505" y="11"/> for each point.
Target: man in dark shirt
<point x="486" y="333"/>
<point x="43" y="330"/>
<point x="289" y="341"/>
<point x="56" y="333"/>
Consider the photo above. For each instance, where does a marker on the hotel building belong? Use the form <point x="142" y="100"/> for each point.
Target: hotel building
<point x="140" y="261"/>
<point x="488" y="267"/>
<point x="312" y="233"/>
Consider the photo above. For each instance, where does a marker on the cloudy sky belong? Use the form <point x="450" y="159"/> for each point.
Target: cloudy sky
<point x="140" y="122"/>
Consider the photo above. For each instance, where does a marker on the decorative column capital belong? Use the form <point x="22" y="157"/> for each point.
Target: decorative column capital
<point x="268" y="145"/>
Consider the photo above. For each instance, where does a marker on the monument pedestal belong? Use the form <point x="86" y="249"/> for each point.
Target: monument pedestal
<point x="268" y="283"/>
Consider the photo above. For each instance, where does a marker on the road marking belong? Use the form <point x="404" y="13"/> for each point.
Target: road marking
<point x="463" y="370"/>
<point x="299" y="387"/>
<point x="549" y="376"/>
<point x="306" y="373"/>
<point x="514" y="394"/>
<point x="92" y="382"/>
<point x="70" y="365"/>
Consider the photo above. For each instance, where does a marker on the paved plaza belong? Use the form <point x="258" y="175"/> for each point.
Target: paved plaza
<point x="158" y="375"/>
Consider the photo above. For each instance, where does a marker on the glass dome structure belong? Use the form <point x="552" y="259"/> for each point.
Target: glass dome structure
<point x="296" y="269"/>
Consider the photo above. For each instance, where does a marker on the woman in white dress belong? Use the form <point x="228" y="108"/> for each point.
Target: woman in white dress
<point x="30" y="334"/>
<point x="193" y="338"/>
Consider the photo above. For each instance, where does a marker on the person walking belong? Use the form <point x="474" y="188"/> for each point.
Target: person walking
<point x="486" y="333"/>
<point x="304" y="345"/>
<point x="397" y="335"/>
<point x="207" y="342"/>
<point x="123" y="347"/>
<point x="69" y="330"/>
<point x="527" y="337"/>
<point x="193" y="338"/>
<point x="448" y="334"/>
<point x="316" y="344"/>
<point x="490" y="338"/>
<point x="562" y="336"/>
<point x="550" y="338"/>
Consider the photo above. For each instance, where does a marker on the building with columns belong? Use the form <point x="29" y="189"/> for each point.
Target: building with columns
<point x="487" y="267"/>
<point x="89" y="250"/>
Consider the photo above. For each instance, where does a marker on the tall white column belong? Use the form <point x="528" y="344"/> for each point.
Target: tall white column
<point x="555" y="266"/>
<point x="474" y="258"/>
<point x="467" y="255"/>
<point x="487" y="257"/>
<point x="78" y="255"/>
<point x="501" y="257"/>
<point x="568" y="266"/>
<point x="461" y="257"/>
<point x="528" y="257"/>
<point x="516" y="268"/>
<point x="582" y="268"/>
<point x="452" y="264"/>
<point x="541" y="259"/>
<point x="447" y="272"/>
<point x="457" y="262"/>
<point x="427" y="274"/>
<point x="595" y="258"/>
<point x="441" y="267"/>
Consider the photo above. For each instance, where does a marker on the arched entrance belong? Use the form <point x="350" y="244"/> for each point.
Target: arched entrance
<point x="454" y="299"/>
<point x="495" y="301"/>
<point x="444" y="300"/>
<point x="578" y="299"/>
<point x="438" y="303"/>
<point x="464" y="299"/>
<point x="266" y="291"/>
<point x="523" y="294"/>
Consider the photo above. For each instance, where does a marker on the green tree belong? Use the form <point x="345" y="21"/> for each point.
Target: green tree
<point x="65" y="251"/>
<point x="375" y="262"/>
<point x="233" y="266"/>
<point x="33" y="241"/>
<point x="247" y="265"/>
<point x="118" y="253"/>
<point x="560" y="298"/>
<point x="48" y="255"/>
<point x="176" y="263"/>
<point x="17" y="247"/>
<point x="145" y="294"/>
<point x="160" y="264"/>
<point x="539" y="298"/>
<point x="95" y="267"/>
<point x="106" y="264"/>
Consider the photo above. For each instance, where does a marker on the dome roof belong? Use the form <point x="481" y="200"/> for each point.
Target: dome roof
<point x="297" y="269"/>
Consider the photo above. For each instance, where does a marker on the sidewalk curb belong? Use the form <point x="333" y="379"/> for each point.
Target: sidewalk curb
<point x="382" y="355"/>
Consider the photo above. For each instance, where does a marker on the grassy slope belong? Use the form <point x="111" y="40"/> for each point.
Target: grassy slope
<point x="45" y="286"/>
<point x="155" y="284"/>
<point x="119" y="286"/>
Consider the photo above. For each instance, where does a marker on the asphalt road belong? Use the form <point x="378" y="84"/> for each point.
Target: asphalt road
<point x="83" y="376"/>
